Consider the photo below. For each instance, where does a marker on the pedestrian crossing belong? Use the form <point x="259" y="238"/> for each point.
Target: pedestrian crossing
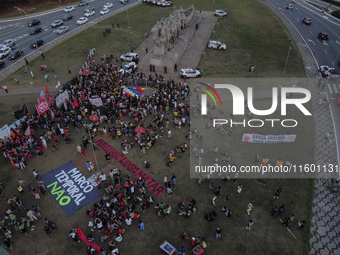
<point x="333" y="88"/>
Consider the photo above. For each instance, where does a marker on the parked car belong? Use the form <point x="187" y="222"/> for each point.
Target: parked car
<point x="89" y="13"/>
<point x="220" y="13"/>
<point x="69" y="9"/>
<point x="82" y="21"/>
<point x="189" y="73"/>
<point x="33" y="22"/>
<point x="307" y="21"/>
<point x="15" y="54"/>
<point x="128" y="68"/>
<point x="67" y="16"/>
<point x="323" y="36"/>
<point x="130" y="56"/>
<point x="62" y="30"/>
<point x="82" y="3"/>
<point x="57" y="23"/>
<point x="2" y="64"/>
<point x="89" y="8"/>
<point x="289" y="7"/>
<point x="212" y="44"/>
<point x="104" y="11"/>
<point x="4" y="51"/>
<point x="36" y="43"/>
<point x="108" y="5"/>
<point x="7" y="43"/>
<point x="35" y="30"/>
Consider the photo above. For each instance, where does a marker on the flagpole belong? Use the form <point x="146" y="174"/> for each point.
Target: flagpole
<point x="92" y="144"/>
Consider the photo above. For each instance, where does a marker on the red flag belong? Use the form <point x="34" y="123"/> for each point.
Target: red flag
<point x="83" y="94"/>
<point x="47" y="89"/>
<point x="75" y="103"/>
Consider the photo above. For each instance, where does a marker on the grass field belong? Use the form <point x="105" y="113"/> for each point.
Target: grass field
<point x="247" y="47"/>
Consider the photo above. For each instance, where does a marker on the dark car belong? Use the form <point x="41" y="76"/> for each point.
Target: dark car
<point x="82" y="3"/>
<point x="35" y="30"/>
<point x="15" y="54"/>
<point x="307" y="21"/>
<point x="57" y="23"/>
<point x="37" y="43"/>
<point x="67" y="17"/>
<point x="323" y="36"/>
<point x="88" y="8"/>
<point x="2" y="64"/>
<point x="33" y="22"/>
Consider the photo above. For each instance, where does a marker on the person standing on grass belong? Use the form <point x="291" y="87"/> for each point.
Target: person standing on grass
<point x="169" y="190"/>
<point x="5" y="88"/>
<point x="257" y="158"/>
<point x="278" y="193"/>
<point x="165" y="180"/>
<point x="141" y="225"/>
<point x="73" y="235"/>
<point x="250" y="207"/>
<point x="214" y="201"/>
<point x="173" y="178"/>
<point x="218" y="232"/>
<point x="48" y="232"/>
<point x="239" y="190"/>
<point x="249" y="225"/>
<point x="35" y="174"/>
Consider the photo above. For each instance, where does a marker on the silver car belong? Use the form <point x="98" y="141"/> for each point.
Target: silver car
<point x="7" y="43"/>
<point x="62" y="30"/>
<point x="57" y="23"/>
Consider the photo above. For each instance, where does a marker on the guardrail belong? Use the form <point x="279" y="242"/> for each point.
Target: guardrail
<point x="33" y="55"/>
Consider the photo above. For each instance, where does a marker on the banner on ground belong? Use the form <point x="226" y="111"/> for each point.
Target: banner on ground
<point x="256" y="138"/>
<point x="61" y="98"/>
<point x="70" y="188"/>
<point x="97" y="101"/>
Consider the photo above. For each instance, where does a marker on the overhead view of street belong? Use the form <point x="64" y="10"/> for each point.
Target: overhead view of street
<point x="169" y="127"/>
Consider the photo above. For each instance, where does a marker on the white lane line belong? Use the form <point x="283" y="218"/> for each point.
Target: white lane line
<point x="330" y="89"/>
<point x="335" y="89"/>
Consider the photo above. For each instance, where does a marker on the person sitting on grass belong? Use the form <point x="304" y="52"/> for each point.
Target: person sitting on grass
<point x="146" y="164"/>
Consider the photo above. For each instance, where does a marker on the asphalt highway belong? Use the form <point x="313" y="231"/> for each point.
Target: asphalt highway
<point x="18" y="30"/>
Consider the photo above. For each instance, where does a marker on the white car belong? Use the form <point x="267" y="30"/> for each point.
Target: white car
<point x="216" y="45"/>
<point x="289" y="7"/>
<point x="104" y="11"/>
<point x="69" y="9"/>
<point x="108" y="5"/>
<point x="326" y="68"/>
<point x="7" y="43"/>
<point x="89" y="13"/>
<point x="220" y="13"/>
<point x="130" y="56"/>
<point x="128" y="68"/>
<point x="4" y="51"/>
<point x="82" y="21"/>
<point x="62" y="30"/>
<point x="189" y="73"/>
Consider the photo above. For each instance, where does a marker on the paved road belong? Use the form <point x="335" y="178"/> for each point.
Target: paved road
<point x="326" y="52"/>
<point x="17" y="28"/>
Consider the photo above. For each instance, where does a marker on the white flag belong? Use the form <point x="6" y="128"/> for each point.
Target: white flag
<point x="58" y="85"/>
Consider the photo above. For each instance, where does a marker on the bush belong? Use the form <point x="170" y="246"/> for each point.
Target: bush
<point x="336" y="14"/>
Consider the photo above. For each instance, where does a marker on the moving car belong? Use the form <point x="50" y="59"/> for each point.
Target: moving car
<point x="108" y="5"/>
<point x="189" y="73"/>
<point x="289" y="7"/>
<point x="128" y="68"/>
<point x="82" y="3"/>
<point x="326" y="71"/>
<point x="35" y="30"/>
<point x="62" y="30"/>
<point x="2" y="64"/>
<point x="33" y="22"/>
<point x="4" y="51"/>
<point x="216" y="45"/>
<point x="89" y="8"/>
<point x="104" y="11"/>
<point x="130" y="56"/>
<point x="69" y="9"/>
<point x="89" y="13"/>
<point x="220" y="13"/>
<point x="7" y="43"/>
<point x="36" y="43"/>
<point x="57" y="23"/>
<point x="67" y="16"/>
<point x="15" y="54"/>
<point x="307" y="21"/>
<point x="323" y="36"/>
<point x="82" y="21"/>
